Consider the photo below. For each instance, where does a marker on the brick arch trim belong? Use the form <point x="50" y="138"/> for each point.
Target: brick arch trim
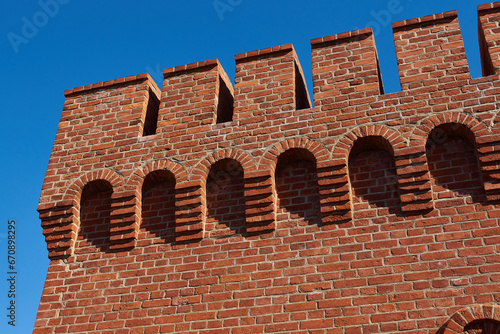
<point x="421" y="133"/>
<point x="200" y="171"/>
<point x="270" y="158"/>
<point x="344" y="146"/>
<point x="136" y="180"/>
<point x="460" y="319"/>
<point x="74" y="191"/>
<point x="495" y="123"/>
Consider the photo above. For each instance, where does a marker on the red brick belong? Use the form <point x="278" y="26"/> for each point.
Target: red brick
<point x="368" y="213"/>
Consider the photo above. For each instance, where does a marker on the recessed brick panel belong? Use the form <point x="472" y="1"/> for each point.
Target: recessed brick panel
<point x="454" y="169"/>
<point x="93" y="235"/>
<point x="225" y="201"/>
<point x="374" y="183"/>
<point x="158" y="213"/>
<point x="298" y="194"/>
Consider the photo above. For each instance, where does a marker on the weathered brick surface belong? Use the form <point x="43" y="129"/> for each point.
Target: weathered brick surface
<point x="203" y="209"/>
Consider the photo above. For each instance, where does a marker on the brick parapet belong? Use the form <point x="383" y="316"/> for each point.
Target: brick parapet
<point x="402" y="112"/>
<point x="105" y="136"/>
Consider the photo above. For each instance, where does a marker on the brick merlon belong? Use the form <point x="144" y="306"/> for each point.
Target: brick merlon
<point x="424" y="19"/>
<point x="344" y="35"/>
<point x="262" y="52"/>
<point x="109" y="83"/>
<point x="487" y="6"/>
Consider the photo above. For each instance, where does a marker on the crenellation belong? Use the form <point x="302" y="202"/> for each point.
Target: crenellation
<point x="269" y="79"/>
<point x="488" y="21"/>
<point x="345" y="71"/>
<point x="242" y="209"/>
<point x="431" y="53"/>
<point x="193" y="95"/>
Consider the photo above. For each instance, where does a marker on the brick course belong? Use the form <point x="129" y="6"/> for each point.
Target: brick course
<point x="206" y="209"/>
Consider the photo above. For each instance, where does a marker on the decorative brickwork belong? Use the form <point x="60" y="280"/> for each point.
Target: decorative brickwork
<point x="473" y="319"/>
<point x="206" y="209"/>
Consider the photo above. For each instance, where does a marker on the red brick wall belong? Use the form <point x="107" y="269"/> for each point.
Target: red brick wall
<point x="367" y="213"/>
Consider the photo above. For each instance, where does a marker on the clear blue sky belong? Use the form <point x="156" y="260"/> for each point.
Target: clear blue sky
<point x="45" y="49"/>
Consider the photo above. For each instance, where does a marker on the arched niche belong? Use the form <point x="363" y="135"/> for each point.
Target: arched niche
<point x="225" y="199"/>
<point x="297" y="189"/>
<point x="453" y="164"/>
<point x="373" y="177"/>
<point x="158" y="208"/>
<point x="95" y="211"/>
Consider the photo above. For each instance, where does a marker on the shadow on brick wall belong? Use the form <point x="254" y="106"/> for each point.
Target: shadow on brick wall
<point x="297" y="188"/>
<point x="95" y="212"/>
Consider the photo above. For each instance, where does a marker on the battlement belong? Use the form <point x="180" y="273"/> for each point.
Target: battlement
<point x="201" y="166"/>
<point x="488" y="16"/>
